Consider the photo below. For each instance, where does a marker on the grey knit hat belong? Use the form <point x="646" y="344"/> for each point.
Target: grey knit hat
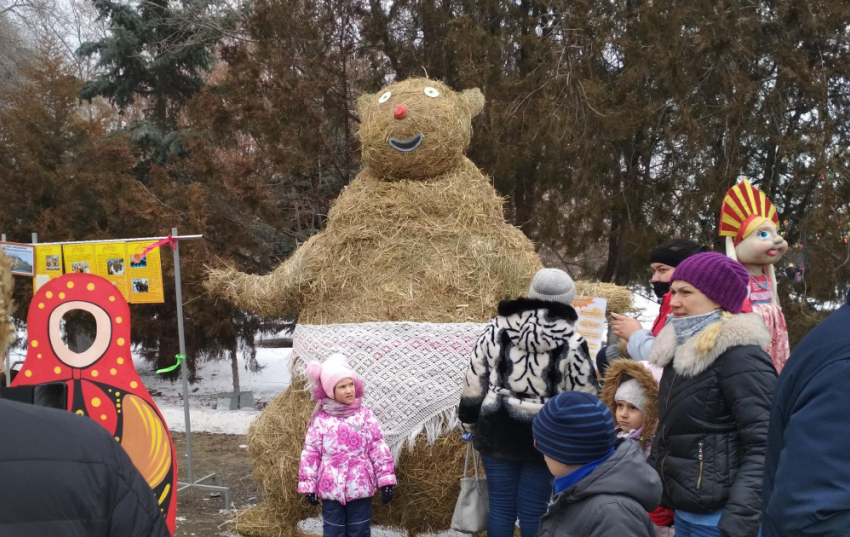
<point x="631" y="392"/>
<point x="553" y="285"/>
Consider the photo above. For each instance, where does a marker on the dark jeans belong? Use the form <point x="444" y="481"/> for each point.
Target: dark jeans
<point x="516" y="489"/>
<point x="354" y="519"/>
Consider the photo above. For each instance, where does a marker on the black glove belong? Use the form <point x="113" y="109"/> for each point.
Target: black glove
<point x="311" y="498"/>
<point x="387" y="494"/>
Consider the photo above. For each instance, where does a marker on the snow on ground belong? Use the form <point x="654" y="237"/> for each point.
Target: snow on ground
<point x="313" y="526"/>
<point x="215" y="378"/>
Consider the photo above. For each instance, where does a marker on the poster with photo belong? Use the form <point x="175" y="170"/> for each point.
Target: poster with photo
<point x="48" y="264"/>
<point x="22" y="256"/>
<point x="112" y="265"/>
<point x="144" y="274"/>
<point x="591" y="321"/>
<point x="79" y="258"/>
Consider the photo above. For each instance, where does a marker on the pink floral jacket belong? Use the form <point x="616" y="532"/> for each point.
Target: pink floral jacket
<point x="345" y="459"/>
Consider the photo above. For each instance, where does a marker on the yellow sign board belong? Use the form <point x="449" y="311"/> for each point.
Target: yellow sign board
<point x="111" y="263"/>
<point x="144" y="273"/>
<point x="48" y="264"/>
<point x="79" y="258"/>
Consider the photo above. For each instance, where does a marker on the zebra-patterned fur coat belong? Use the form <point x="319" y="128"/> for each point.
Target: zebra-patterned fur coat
<point x="528" y="354"/>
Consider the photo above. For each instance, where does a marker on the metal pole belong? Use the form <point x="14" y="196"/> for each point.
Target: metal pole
<point x="7" y="357"/>
<point x="178" y="289"/>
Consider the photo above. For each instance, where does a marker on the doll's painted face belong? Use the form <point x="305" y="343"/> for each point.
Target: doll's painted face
<point x="764" y="246"/>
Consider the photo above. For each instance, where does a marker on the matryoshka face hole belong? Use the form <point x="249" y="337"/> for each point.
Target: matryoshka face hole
<point x="78" y="329"/>
<point x="71" y="336"/>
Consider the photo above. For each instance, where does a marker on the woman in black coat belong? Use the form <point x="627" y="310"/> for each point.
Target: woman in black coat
<point x="714" y="401"/>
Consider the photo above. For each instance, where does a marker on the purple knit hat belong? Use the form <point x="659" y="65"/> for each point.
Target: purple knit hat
<point x="720" y="278"/>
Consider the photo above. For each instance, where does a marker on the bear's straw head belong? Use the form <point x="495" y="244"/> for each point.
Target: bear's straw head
<point x="416" y="129"/>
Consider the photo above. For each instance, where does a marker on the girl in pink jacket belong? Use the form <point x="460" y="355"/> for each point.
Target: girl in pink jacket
<point x="345" y="459"/>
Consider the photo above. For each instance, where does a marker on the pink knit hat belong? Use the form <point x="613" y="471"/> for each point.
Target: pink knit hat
<point x="328" y="373"/>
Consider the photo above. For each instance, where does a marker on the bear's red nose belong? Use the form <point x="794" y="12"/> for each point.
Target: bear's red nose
<point x="400" y="111"/>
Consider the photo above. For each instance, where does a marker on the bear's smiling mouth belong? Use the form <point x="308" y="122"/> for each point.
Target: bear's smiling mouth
<point x="406" y="145"/>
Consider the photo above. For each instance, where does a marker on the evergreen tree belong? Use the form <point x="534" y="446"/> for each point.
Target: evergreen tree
<point x="152" y="54"/>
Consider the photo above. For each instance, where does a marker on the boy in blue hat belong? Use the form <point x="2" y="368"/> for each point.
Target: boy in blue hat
<point x="599" y="491"/>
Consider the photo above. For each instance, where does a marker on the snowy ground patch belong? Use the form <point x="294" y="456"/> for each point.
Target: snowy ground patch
<point x="215" y="378"/>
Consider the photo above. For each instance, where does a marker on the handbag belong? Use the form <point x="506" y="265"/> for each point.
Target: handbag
<point x="473" y="503"/>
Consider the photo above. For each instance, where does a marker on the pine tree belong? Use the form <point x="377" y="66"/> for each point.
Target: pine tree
<point x="152" y="55"/>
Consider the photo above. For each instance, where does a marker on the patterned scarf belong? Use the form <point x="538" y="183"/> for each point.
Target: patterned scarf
<point x="686" y="327"/>
<point x="335" y="408"/>
<point x="339" y="410"/>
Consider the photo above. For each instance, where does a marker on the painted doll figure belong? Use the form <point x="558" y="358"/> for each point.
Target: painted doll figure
<point x="750" y="224"/>
<point x="102" y="380"/>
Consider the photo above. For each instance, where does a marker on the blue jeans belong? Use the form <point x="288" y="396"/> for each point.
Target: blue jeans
<point x="354" y="519"/>
<point x="688" y="529"/>
<point x="516" y="489"/>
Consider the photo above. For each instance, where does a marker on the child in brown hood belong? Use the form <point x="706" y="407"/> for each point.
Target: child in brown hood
<point x="631" y="392"/>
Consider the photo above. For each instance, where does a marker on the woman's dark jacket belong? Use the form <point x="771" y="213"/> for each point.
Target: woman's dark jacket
<point x="528" y="354"/>
<point x="714" y="407"/>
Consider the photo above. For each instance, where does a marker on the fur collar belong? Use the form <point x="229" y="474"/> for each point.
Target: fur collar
<point x="741" y="329"/>
<point x="555" y="309"/>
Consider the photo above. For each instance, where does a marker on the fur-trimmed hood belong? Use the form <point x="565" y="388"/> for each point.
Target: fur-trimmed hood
<point x="700" y="351"/>
<point x="622" y="370"/>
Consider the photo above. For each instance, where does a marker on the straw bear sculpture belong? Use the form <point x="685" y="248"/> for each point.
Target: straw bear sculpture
<point x="418" y="235"/>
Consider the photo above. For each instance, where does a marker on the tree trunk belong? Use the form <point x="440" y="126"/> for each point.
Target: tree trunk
<point x="234" y="369"/>
<point x="613" y="247"/>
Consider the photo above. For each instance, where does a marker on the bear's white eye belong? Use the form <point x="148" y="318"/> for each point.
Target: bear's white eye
<point x="385" y="97"/>
<point x="431" y="92"/>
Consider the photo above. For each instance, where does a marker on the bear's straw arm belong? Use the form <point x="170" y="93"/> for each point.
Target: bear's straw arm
<point x="7" y="306"/>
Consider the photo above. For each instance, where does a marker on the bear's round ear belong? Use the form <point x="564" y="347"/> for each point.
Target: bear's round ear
<point x="473" y="99"/>
<point x="362" y="103"/>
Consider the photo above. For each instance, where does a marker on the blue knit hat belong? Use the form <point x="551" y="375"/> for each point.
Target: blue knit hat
<point x="574" y="428"/>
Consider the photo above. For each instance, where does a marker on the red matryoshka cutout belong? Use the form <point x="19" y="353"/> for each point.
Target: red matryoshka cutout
<point x="102" y="381"/>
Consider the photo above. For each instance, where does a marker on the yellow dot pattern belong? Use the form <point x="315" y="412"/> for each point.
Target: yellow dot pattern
<point x="94" y="373"/>
<point x="117" y="439"/>
<point x="95" y="402"/>
<point x="57" y="370"/>
<point x="134" y="384"/>
<point x="118" y="320"/>
<point x="90" y="287"/>
<point x="70" y="285"/>
<point x="61" y="295"/>
<point x="34" y="343"/>
<point x="120" y="341"/>
<point x="120" y="361"/>
<point x="79" y="412"/>
<point x="49" y="294"/>
<point x="38" y="355"/>
<point x="41" y="305"/>
<point x="113" y="371"/>
<point x="103" y="417"/>
<point x="112" y="299"/>
<point x="28" y="373"/>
